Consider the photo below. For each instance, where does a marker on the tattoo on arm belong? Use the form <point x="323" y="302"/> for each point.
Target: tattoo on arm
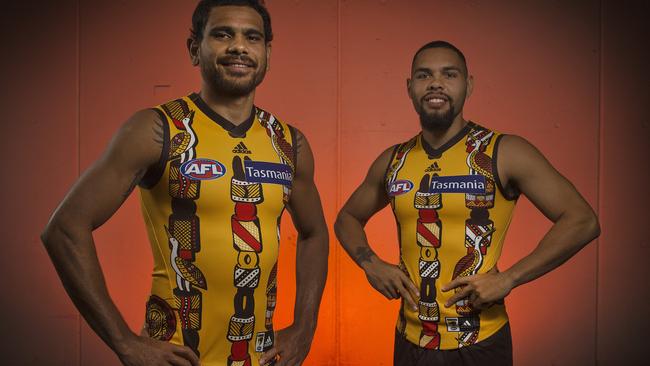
<point x="363" y="254"/>
<point x="136" y="179"/>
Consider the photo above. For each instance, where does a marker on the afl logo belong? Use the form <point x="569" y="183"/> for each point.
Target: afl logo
<point x="400" y="187"/>
<point x="203" y="169"/>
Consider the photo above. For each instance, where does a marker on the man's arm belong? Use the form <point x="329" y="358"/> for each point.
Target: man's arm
<point x="294" y="342"/>
<point x="575" y="224"/>
<point x="98" y="193"/>
<point x="368" y="199"/>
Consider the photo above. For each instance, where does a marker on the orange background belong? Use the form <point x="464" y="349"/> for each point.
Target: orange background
<point x="570" y="76"/>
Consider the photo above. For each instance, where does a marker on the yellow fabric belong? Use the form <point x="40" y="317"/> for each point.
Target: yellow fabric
<point x="210" y="266"/>
<point x="410" y="163"/>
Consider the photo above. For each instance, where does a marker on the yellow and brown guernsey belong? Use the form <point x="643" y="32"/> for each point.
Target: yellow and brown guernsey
<point x="452" y="215"/>
<point x="212" y="209"/>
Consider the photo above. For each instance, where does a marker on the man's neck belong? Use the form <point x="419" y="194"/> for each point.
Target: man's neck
<point x="437" y="138"/>
<point x="235" y="109"/>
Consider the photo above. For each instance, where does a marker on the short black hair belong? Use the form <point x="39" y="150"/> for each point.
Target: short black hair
<point x="203" y="8"/>
<point x="440" y="44"/>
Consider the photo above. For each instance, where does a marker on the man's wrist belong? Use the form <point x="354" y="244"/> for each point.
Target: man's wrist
<point x="122" y="344"/>
<point x="511" y="278"/>
<point x="307" y="326"/>
<point x="363" y="256"/>
<point x="367" y="263"/>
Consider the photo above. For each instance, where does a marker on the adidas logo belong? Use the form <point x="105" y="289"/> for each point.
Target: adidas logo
<point x="241" y="149"/>
<point x="433" y="167"/>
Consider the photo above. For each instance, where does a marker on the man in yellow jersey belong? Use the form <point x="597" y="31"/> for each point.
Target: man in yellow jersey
<point x="453" y="188"/>
<point x="215" y="175"/>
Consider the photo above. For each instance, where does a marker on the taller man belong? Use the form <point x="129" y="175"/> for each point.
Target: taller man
<point x="215" y="174"/>
<point x="452" y="189"/>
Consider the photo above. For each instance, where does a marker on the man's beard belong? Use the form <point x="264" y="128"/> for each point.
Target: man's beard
<point x="232" y="85"/>
<point x="437" y="121"/>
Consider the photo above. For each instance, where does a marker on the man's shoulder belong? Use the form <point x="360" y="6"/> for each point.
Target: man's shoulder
<point x="142" y="121"/>
<point x="177" y="108"/>
<point x="403" y="147"/>
<point x="510" y="144"/>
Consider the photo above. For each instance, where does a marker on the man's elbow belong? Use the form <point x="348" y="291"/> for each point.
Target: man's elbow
<point x="338" y="225"/>
<point x="56" y="233"/>
<point x="593" y="226"/>
<point x="342" y="222"/>
<point x="50" y="232"/>
<point x="316" y="237"/>
<point x="588" y="225"/>
<point x="324" y="237"/>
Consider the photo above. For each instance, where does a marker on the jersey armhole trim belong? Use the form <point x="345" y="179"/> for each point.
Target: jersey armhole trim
<point x="155" y="171"/>
<point x="511" y="194"/>
<point x="294" y="144"/>
<point x="390" y="162"/>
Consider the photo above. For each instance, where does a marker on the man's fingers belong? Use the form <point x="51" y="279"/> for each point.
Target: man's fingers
<point x="186" y="353"/>
<point x="269" y="355"/>
<point x="410" y="286"/>
<point x="390" y="291"/>
<point x="458" y="296"/>
<point x="473" y="297"/>
<point x="459" y="281"/>
<point x="411" y="301"/>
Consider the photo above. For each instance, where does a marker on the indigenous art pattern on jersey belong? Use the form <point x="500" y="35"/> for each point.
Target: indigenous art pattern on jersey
<point x="184" y="226"/>
<point x="247" y="241"/>
<point x="478" y="228"/>
<point x="160" y="319"/>
<point x="443" y="192"/>
<point x="213" y="207"/>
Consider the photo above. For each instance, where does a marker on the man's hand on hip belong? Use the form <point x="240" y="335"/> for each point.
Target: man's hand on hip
<point x="391" y="282"/>
<point x="482" y="290"/>
<point x="291" y="346"/>
<point x="144" y="351"/>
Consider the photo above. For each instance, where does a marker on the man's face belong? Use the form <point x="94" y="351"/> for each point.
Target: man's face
<point x="438" y="87"/>
<point x="233" y="54"/>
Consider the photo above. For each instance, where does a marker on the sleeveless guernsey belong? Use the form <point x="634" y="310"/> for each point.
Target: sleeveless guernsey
<point x="452" y="216"/>
<point x="212" y="210"/>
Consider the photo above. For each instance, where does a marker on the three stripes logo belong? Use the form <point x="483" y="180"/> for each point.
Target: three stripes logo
<point x="433" y="167"/>
<point x="241" y="149"/>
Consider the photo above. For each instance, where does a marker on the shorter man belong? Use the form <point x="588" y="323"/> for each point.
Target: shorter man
<point x="453" y="188"/>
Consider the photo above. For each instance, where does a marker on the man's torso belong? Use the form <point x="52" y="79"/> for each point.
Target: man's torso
<point x="452" y="218"/>
<point x="213" y="222"/>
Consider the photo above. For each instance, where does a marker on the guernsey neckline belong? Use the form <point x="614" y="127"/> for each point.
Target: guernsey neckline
<point x="233" y="129"/>
<point x="436" y="153"/>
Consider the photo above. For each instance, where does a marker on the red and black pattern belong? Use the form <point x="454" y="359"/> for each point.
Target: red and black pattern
<point x="282" y="147"/>
<point x="160" y="319"/>
<point x="428" y="236"/>
<point x="271" y="297"/>
<point x="397" y="163"/>
<point x="184" y="224"/>
<point x="247" y="241"/>
<point x="478" y="227"/>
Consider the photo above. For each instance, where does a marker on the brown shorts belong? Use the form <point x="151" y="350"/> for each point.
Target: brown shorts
<point x="493" y="351"/>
